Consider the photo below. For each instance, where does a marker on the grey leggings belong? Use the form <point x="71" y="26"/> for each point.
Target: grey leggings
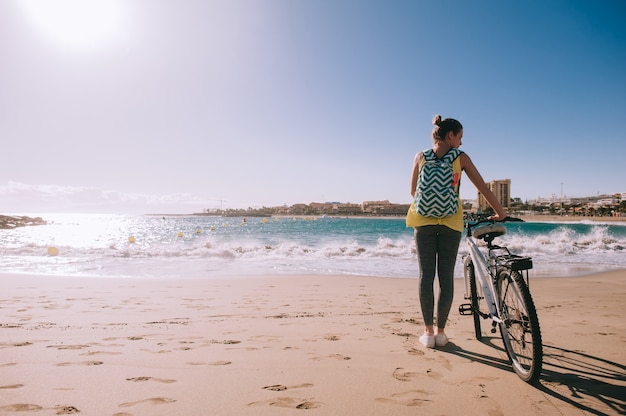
<point x="437" y="248"/>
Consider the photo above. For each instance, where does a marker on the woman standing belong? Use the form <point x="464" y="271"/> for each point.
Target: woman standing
<point x="437" y="237"/>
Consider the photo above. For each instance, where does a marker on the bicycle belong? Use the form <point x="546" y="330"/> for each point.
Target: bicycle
<point x="498" y="290"/>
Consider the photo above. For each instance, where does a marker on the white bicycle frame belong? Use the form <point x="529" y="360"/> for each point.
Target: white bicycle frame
<point x="485" y="278"/>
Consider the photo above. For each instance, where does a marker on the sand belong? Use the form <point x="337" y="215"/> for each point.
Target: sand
<point x="272" y="345"/>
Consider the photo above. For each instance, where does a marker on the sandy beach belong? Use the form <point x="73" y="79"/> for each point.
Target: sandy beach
<point x="326" y="345"/>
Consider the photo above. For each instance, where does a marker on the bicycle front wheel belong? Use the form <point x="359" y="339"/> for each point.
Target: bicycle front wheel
<point x="475" y="295"/>
<point x="520" y="326"/>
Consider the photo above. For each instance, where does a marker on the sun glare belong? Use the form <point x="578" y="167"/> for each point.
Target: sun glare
<point x="77" y="24"/>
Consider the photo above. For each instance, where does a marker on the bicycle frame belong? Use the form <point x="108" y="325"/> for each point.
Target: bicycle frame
<point x="485" y="277"/>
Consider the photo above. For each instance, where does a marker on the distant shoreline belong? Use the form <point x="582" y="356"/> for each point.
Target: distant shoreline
<point x="9" y="222"/>
<point x="525" y="217"/>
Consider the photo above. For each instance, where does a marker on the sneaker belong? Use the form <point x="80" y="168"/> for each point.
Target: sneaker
<point x="441" y="340"/>
<point x="428" y="340"/>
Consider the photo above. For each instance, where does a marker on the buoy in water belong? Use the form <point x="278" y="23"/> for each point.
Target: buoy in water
<point x="180" y="234"/>
<point x="131" y="239"/>
<point x="264" y="220"/>
<point x="53" y="251"/>
<point x="213" y="228"/>
<point x="198" y="230"/>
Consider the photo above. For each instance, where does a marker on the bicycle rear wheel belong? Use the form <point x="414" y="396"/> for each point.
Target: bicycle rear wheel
<point x="520" y="326"/>
<point x="475" y="296"/>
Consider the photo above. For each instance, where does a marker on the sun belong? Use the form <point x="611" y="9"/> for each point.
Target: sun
<point x="78" y="24"/>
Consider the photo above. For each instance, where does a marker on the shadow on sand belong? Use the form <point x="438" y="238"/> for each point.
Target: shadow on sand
<point x="572" y="377"/>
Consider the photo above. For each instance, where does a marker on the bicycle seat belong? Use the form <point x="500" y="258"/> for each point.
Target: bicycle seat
<point x="490" y="231"/>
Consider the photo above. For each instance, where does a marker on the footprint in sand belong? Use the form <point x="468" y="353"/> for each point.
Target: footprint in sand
<point x="160" y="380"/>
<point x="434" y="374"/>
<point x="21" y="407"/>
<point x="153" y="400"/>
<point x="101" y="353"/>
<point x="68" y="347"/>
<point x="280" y="387"/>
<point x="333" y="356"/>
<point x="89" y="363"/>
<point x="288" y="402"/>
<point x="217" y="363"/>
<point x="18" y="344"/>
<point x="404" y="375"/>
<point x="12" y="386"/>
<point x="479" y="381"/>
<point x="411" y="398"/>
<point x="220" y="362"/>
<point x="495" y="410"/>
<point x="276" y="387"/>
<point x="413" y="351"/>
<point x="66" y="410"/>
<point x="445" y="363"/>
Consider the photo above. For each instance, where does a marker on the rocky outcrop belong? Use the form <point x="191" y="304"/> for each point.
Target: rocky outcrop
<point x="8" y="222"/>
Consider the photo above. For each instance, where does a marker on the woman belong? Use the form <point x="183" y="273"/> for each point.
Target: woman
<point x="437" y="239"/>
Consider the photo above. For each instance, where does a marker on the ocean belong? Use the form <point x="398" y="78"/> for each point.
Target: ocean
<point x="205" y="246"/>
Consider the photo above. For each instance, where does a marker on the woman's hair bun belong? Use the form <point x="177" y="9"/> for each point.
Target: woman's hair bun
<point x="443" y="127"/>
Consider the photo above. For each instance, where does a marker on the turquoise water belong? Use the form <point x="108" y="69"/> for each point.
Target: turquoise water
<point x="202" y="246"/>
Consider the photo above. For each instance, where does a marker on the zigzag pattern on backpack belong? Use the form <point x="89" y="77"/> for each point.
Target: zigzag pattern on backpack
<point x="436" y="195"/>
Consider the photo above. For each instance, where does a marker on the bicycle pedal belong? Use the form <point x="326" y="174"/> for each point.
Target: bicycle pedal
<point x="466" y="309"/>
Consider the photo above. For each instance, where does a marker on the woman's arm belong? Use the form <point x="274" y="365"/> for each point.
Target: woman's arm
<point x="415" y="173"/>
<point x="481" y="186"/>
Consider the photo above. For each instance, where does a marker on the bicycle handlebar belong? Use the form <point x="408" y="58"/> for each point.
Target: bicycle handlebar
<point x="475" y="219"/>
<point x="479" y="217"/>
<point x="472" y="220"/>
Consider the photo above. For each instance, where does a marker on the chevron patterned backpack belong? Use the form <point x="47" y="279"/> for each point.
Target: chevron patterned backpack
<point x="436" y="194"/>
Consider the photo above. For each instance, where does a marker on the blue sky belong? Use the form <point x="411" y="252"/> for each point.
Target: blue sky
<point x="172" y="107"/>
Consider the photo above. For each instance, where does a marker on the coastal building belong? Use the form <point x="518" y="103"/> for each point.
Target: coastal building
<point x="349" y="209"/>
<point x="323" y="208"/>
<point x="501" y="188"/>
<point x="384" y="208"/>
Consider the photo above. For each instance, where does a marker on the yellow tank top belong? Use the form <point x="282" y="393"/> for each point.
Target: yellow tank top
<point x="455" y="221"/>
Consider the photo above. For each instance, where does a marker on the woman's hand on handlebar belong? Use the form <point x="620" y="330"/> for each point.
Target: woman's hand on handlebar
<point x="498" y="217"/>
